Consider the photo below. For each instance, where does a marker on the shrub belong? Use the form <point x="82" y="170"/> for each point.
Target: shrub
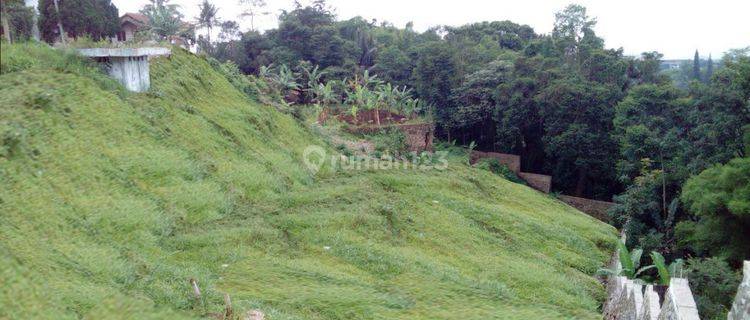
<point x="391" y="141"/>
<point x="238" y="80"/>
<point x="494" y="166"/>
<point x="714" y="285"/>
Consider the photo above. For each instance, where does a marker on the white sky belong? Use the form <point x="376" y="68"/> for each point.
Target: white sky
<point x="673" y="27"/>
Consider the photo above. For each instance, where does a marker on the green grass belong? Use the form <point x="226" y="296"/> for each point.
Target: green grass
<point x="111" y="201"/>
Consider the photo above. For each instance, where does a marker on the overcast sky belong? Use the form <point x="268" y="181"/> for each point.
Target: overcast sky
<point x="672" y="27"/>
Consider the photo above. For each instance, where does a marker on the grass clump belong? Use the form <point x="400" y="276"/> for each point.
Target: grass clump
<point x="111" y="201"/>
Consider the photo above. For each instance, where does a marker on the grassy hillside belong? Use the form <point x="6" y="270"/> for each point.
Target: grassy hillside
<point x="111" y="201"/>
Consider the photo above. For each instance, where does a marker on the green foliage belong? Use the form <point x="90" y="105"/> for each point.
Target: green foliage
<point x="666" y="272"/>
<point x="20" y="19"/>
<point x="165" y="20"/>
<point x="720" y="197"/>
<point x="193" y="180"/>
<point x="98" y="19"/>
<point x="207" y="18"/>
<point x="391" y="142"/>
<point x="494" y="166"/>
<point x="630" y="266"/>
<point x="714" y="285"/>
<point x="630" y="262"/>
<point x="241" y="82"/>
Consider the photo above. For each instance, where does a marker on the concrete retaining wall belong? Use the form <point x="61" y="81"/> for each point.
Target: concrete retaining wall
<point x="543" y="183"/>
<point x="539" y="182"/>
<point x="595" y="208"/>
<point x="741" y="307"/>
<point x="512" y="161"/>
<point x="419" y="137"/>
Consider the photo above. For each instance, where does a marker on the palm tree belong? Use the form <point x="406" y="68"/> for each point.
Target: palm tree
<point x="208" y="18"/>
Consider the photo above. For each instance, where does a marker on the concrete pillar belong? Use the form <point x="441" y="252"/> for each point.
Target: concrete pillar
<point x="651" y="305"/>
<point x="634" y="302"/>
<point x="741" y="307"/>
<point x="679" y="303"/>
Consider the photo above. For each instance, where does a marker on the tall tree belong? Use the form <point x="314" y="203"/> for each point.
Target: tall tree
<point x="98" y="19"/>
<point x="207" y="18"/>
<point x="696" y="66"/>
<point x="4" y="18"/>
<point x="17" y="20"/>
<point x="571" y="25"/>
<point x="253" y="8"/>
<point x="709" y="69"/>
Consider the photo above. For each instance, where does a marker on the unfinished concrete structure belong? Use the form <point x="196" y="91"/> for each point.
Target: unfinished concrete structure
<point x="128" y="65"/>
<point x="628" y="299"/>
<point x="741" y="307"/>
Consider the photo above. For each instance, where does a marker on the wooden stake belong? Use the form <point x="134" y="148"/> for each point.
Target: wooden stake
<point x="227" y="306"/>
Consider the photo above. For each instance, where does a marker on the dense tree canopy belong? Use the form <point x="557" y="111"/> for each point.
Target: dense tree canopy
<point x="98" y="19"/>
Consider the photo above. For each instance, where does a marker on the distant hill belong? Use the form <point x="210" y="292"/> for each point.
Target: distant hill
<point x="110" y="201"/>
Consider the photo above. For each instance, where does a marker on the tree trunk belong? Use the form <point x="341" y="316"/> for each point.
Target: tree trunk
<point x="581" y="184"/>
<point x="6" y="25"/>
<point x="59" y="23"/>
<point x="377" y="116"/>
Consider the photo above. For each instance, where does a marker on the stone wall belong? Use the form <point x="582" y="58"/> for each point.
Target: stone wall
<point x="543" y="183"/>
<point x="741" y="307"/>
<point x="595" y="208"/>
<point x="419" y="137"/>
<point x="539" y="182"/>
<point x="512" y="161"/>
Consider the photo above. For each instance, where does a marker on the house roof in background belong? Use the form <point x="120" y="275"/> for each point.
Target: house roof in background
<point x="136" y="18"/>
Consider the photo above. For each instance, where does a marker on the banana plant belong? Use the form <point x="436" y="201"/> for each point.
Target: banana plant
<point x="630" y="261"/>
<point x="324" y="94"/>
<point x="386" y="97"/>
<point x="287" y="79"/>
<point x="666" y="272"/>
<point x="369" y="81"/>
<point x="401" y="98"/>
<point x="266" y="72"/>
<point x="313" y="76"/>
<point x="411" y="106"/>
